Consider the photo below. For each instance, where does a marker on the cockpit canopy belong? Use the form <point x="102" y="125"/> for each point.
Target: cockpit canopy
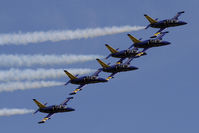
<point x="91" y="77"/>
<point x="171" y="21"/>
<point x="123" y="66"/>
<point x="154" y="41"/>
<point x="59" y="106"/>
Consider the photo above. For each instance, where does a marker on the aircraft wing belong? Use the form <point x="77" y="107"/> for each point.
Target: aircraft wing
<point x="77" y="89"/>
<point x="120" y="61"/>
<point x="111" y="76"/>
<point x="158" y="33"/>
<point x="66" y="101"/>
<point x="129" y="61"/>
<point x="177" y="15"/>
<point x="46" y="118"/>
<point x="96" y="73"/>
<point x="161" y="35"/>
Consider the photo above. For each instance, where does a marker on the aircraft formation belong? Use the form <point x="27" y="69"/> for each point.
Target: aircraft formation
<point x="136" y="50"/>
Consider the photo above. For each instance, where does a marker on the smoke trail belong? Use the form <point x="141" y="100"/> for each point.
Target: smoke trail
<point x="30" y="74"/>
<point x="29" y="60"/>
<point x="54" y="36"/>
<point x="9" y="112"/>
<point x="12" y="86"/>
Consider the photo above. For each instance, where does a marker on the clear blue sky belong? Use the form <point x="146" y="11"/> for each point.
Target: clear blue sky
<point x="160" y="97"/>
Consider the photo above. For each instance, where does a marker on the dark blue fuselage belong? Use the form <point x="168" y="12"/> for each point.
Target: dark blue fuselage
<point x="119" y="68"/>
<point x="56" y="109"/>
<point x="88" y="80"/>
<point x="167" y="23"/>
<point x="126" y="54"/>
<point x="151" y="43"/>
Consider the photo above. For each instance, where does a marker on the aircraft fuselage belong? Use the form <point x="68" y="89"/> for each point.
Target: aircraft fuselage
<point x="168" y="23"/>
<point x="151" y="43"/>
<point x="88" y="80"/>
<point x="127" y="54"/>
<point x="119" y="68"/>
<point x="56" y="109"/>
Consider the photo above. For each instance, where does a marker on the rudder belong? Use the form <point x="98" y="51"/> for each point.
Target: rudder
<point x="152" y="21"/>
<point x="112" y="50"/>
<point x="70" y="75"/>
<point x="135" y="40"/>
<point x="104" y="65"/>
<point x="40" y="105"/>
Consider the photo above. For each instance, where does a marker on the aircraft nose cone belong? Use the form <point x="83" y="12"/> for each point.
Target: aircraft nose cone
<point x="102" y="80"/>
<point x="166" y="43"/>
<point x="70" y="109"/>
<point x="134" y="68"/>
<point x="183" y="23"/>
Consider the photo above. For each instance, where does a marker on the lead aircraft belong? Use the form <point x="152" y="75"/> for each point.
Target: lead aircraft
<point x="52" y="109"/>
<point x="163" y="24"/>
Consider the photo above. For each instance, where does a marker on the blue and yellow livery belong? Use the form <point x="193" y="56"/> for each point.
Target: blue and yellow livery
<point x="146" y="44"/>
<point x="163" y="24"/>
<point x="114" y="69"/>
<point x="84" y="80"/>
<point x="52" y="109"/>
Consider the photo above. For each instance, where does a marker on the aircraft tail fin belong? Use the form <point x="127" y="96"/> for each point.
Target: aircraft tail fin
<point x="70" y="75"/>
<point x="112" y="50"/>
<point x="40" y="105"/>
<point x="152" y="21"/>
<point x="104" y="65"/>
<point x="135" y="40"/>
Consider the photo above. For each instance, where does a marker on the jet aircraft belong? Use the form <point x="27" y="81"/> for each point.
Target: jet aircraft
<point x="52" y="109"/>
<point x="163" y="24"/>
<point x="114" y="69"/>
<point x="84" y="80"/>
<point x="157" y="42"/>
<point x="123" y="54"/>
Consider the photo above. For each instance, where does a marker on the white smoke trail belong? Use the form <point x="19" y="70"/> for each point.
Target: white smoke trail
<point x="29" y="60"/>
<point x="9" y="112"/>
<point x="12" y="86"/>
<point x="59" y="35"/>
<point x="30" y="74"/>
